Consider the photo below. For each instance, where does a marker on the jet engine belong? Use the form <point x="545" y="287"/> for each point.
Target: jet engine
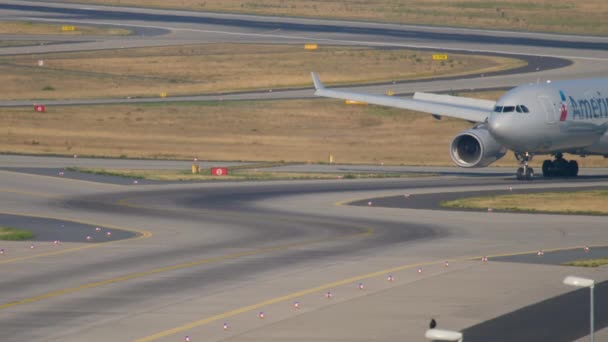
<point x="476" y="147"/>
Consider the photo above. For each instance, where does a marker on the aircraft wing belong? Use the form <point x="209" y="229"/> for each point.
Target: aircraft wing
<point x="469" y="109"/>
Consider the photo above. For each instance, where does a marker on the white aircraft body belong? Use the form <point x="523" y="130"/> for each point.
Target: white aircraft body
<point x="550" y="118"/>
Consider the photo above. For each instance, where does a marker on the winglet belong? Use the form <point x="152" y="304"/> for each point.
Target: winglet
<point x="317" y="81"/>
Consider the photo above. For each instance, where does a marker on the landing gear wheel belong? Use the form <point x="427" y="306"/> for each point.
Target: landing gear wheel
<point x="560" y="167"/>
<point x="525" y="172"/>
<point x="520" y="173"/>
<point x="548" y="167"/>
<point x="529" y="173"/>
<point x="572" y="168"/>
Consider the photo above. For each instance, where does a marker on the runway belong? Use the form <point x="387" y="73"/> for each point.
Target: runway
<point x="287" y="261"/>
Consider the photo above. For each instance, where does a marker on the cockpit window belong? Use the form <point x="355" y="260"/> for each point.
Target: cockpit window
<point x="508" y="109"/>
<point x="522" y="109"/>
<point x="498" y="109"/>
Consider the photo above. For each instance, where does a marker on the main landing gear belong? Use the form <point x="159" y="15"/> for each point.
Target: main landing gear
<point x="525" y="172"/>
<point x="560" y="167"/>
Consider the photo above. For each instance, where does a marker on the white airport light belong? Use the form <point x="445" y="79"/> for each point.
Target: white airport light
<point x="296" y="305"/>
<point x="590" y="283"/>
<point x="443" y="335"/>
<point x="578" y="281"/>
<point x="361" y="286"/>
<point x="225" y="326"/>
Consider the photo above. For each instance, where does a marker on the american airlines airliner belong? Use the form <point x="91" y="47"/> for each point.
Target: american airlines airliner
<point x="550" y="118"/>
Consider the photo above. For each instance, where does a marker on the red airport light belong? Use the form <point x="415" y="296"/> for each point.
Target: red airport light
<point x="219" y="171"/>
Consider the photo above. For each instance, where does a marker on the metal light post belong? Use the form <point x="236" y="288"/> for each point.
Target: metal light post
<point x="443" y="335"/>
<point x="584" y="282"/>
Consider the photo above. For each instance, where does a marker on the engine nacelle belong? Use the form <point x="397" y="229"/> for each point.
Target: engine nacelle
<point x="476" y="147"/>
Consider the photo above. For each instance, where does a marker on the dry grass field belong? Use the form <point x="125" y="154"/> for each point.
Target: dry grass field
<point x="24" y="27"/>
<point x="208" y="68"/>
<point x="291" y="130"/>
<point x="583" y="202"/>
<point x="566" y="16"/>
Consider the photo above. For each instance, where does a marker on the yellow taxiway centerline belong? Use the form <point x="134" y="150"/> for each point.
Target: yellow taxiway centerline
<point x="294" y="295"/>
<point x="367" y="232"/>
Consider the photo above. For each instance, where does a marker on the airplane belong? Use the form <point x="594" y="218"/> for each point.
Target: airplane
<point x="549" y="118"/>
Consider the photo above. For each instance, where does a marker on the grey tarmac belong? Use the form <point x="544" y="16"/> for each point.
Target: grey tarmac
<point x="221" y="253"/>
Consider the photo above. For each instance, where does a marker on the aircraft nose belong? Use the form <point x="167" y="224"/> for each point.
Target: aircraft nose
<point x="496" y="125"/>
